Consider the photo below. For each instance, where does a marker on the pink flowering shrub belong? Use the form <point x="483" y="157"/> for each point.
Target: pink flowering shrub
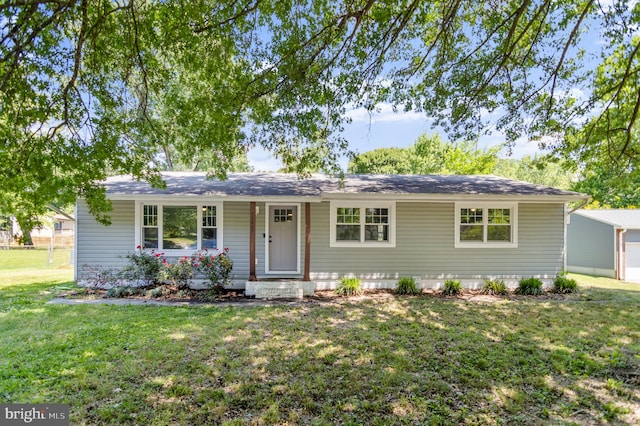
<point x="215" y="267"/>
<point x="144" y="265"/>
<point x="179" y="273"/>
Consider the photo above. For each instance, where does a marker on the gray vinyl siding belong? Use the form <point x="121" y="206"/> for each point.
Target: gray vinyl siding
<point x="425" y="247"/>
<point x="590" y="244"/>
<point x="100" y="246"/>
<point x="424" y="244"/>
<point x="632" y="236"/>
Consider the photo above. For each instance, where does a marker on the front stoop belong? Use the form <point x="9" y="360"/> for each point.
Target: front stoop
<point x="279" y="289"/>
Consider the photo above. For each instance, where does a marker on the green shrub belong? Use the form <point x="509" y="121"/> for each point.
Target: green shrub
<point x="563" y="285"/>
<point x="494" y="287"/>
<point x="145" y="266"/>
<point x="349" y="287"/>
<point x="215" y="267"/>
<point x="530" y="286"/>
<point x="452" y="287"/>
<point x="180" y="273"/>
<point x="156" y="292"/>
<point x="407" y="285"/>
<point x="125" y="291"/>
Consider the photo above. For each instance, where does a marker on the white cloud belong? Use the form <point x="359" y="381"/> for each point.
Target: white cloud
<point x="384" y="113"/>
<point x="262" y="160"/>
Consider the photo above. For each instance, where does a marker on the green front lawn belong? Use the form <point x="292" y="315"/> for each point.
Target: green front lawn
<point x="400" y="360"/>
<point x="18" y="266"/>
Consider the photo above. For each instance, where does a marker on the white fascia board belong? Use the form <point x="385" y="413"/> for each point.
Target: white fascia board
<point x="212" y="198"/>
<point x="448" y="198"/>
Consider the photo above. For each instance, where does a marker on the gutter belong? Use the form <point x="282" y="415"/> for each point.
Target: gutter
<point x="57" y="210"/>
<point x="584" y="203"/>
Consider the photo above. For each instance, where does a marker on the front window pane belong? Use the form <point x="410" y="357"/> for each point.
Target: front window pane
<point x="471" y="233"/>
<point x="348" y="232"/>
<point x="209" y="216"/>
<point x="348" y="215"/>
<point x="150" y="216"/>
<point x="500" y="216"/>
<point x="471" y="215"/>
<point x="499" y="233"/>
<point x="376" y="233"/>
<point x="150" y="238"/>
<point x="209" y="238"/>
<point x="179" y="227"/>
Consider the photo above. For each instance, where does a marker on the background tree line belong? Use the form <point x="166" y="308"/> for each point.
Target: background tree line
<point x="431" y="155"/>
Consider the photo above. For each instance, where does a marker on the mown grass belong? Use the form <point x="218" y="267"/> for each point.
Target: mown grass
<point x="399" y="360"/>
<point x="20" y="266"/>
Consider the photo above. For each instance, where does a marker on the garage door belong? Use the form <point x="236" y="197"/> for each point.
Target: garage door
<point x="633" y="262"/>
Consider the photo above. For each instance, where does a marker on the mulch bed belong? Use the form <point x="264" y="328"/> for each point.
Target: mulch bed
<point x="171" y="294"/>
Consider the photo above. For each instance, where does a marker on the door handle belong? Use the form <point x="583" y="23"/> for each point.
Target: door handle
<point x="270" y="239"/>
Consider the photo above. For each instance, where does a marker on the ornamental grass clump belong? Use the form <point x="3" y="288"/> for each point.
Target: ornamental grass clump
<point x="530" y="287"/>
<point x="407" y="285"/>
<point x="494" y="287"/>
<point x="564" y="285"/>
<point x="452" y="288"/>
<point x="349" y="287"/>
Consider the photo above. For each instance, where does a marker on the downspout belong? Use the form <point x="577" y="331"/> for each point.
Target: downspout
<point x="621" y="256"/>
<point x="564" y="246"/>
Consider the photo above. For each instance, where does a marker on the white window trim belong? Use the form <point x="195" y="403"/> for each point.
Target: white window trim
<point x="180" y="252"/>
<point x="362" y="205"/>
<point x="485" y="218"/>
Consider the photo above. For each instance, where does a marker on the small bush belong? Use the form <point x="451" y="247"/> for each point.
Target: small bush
<point x="99" y="277"/>
<point x="156" y="292"/>
<point x="452" y="287"/>
<point x="180" y="273"/>
<point x="183" y="294"/>
<point x="349" y="287"/>
<point x="563" y="285"/>
<point x="494" y="287"/>
<point x="216" y="268"/>
<point x="407" y="285"/>
<point x="530" y="286"/>
<point x="117" y="292"/>
<point x="144" y="266"/>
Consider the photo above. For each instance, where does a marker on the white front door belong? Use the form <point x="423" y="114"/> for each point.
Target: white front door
<point x="282" y="242"/>
<point x="633" y="263"/>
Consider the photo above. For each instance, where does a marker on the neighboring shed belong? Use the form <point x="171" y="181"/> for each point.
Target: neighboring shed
<point x="605" y="243"/>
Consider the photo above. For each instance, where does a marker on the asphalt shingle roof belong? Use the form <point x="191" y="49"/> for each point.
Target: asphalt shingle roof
<point x="290" y="185"/>
<point x="624" y="218"/>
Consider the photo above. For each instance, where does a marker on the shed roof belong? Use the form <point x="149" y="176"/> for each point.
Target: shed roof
<point x="260" y="185"/>
<point x="623" y="218"/>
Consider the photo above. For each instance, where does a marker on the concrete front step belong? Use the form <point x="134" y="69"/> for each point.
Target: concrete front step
<point x="279" y="289"/>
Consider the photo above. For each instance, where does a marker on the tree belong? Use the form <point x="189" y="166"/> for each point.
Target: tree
<point x="428" y="155"/>
<point x="383" y="161"/>
<point x="538" y="170"/>
<point x="90" y="88"/>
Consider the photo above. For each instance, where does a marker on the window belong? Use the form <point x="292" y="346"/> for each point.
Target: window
<point x="486" y="225"/>
<point x="356" y="224"/>
<point x="180" y="227"/>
